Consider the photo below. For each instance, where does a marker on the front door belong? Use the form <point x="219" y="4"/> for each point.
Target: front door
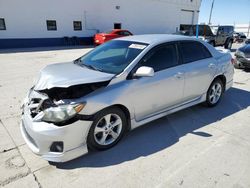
<point x="152" y="95"/>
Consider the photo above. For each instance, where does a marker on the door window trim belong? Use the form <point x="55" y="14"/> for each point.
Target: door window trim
<point x="138" y="65"/>
<point x="181" y="54"/>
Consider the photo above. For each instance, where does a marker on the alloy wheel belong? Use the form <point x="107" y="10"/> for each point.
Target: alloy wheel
<point x="108" y="129"/>
<point x="215" y="93"/>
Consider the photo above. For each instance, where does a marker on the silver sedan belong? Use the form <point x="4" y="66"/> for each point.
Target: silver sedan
<point x="92" y="102"/>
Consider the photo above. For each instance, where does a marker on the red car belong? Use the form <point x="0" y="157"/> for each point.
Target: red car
<point x="100" y="38"/>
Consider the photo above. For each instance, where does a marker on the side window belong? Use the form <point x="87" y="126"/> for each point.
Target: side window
<point x="161" y="58"/>
<point x="193" y="51"/>
<point x="226" y="30"/>
<point x="126" y="33"/>
<point x="119" y="33"/>
<point x="221" y="30"/>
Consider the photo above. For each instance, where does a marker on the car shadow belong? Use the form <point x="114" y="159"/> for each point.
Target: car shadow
<point x="162" y="133"/>
<point x="247" y="70"/>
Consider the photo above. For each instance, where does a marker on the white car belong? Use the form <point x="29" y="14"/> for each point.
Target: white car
<point x="118" y="86"/>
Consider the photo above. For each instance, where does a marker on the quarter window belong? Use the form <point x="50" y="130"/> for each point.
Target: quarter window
<point x="193" y="51"/>
<point x="77" y="25"/>
<point x="51" y="25"/>
<point x="161" y="58"/>
<point x="2" y="24"/>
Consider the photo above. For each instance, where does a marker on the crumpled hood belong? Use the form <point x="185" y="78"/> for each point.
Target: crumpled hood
<point x="68" y="74"/>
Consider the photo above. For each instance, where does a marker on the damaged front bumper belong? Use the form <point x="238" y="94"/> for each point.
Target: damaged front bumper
<point x="41" y="137"/>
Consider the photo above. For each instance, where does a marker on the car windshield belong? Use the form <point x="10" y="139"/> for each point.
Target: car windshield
<point x="112" y="57"/>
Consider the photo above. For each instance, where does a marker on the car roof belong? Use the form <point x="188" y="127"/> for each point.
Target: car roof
<point x="156" y="38"/>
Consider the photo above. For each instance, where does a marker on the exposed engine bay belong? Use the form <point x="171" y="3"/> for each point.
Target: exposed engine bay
<point x="44" y="99"/>
<point x="73" y="92"/>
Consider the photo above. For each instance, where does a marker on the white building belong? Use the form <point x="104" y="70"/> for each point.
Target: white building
<point x="27" y="23"/>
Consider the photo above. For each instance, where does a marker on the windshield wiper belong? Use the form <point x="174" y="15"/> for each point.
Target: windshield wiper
<point x="92" y="67"/>
<point x="77" y="61"/>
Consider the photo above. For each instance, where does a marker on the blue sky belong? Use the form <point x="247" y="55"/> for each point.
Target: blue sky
<point x="225" y="11"/>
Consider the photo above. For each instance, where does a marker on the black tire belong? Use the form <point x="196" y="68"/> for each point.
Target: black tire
<point x="208" y="99"/>
<point x="228" y="45"/>
<point x="91" y="139"/>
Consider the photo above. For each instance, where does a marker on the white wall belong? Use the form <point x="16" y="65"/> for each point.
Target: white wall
<point x="244" y="28"/>
<point x="27" y="18"/>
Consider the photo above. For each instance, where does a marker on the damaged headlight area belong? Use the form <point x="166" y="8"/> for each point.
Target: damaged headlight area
<point x="56" y="105"/>
<point x="73" y="92"/>
<point x="60" y="113"/>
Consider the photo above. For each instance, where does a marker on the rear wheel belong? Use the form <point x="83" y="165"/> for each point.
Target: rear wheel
<point x="107" y="129"/>
<point x="214" y="93"/>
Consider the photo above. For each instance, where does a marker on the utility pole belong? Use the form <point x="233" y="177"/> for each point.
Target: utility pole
<point x="211" y="11"/>
<point x="248" y="29"/>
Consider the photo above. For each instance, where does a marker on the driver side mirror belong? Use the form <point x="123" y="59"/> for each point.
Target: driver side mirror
<point x="144" y="72"/>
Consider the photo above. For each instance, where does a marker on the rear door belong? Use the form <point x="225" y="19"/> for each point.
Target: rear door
<point x="200" y="68"/>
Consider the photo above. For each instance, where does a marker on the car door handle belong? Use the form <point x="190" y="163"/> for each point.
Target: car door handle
<point x="211" y="65"/>
<point x="179" y="75"/>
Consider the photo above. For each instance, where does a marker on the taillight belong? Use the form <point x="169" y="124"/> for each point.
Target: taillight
<point x="103" y="37"/>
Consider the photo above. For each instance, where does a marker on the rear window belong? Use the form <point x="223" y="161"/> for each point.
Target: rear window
<point x="193" y="51"/>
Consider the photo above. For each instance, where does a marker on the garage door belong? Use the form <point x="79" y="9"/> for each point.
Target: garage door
<point x="187" y="17"/>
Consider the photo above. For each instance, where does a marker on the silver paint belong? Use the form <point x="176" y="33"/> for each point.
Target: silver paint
<point x="145" y="98"/>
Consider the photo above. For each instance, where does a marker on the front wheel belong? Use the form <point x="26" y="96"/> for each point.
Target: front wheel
<point x="214" y="93"/>
<point x="107" y="129"/>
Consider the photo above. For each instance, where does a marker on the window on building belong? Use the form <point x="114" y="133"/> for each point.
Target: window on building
<point x="77" y="25"/>
<point x="51" y="25"/>
<point x="2" y="24"/>
<point x="117" y="25"/>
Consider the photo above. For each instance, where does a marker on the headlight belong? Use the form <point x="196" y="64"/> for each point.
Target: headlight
<point x="60" y="113"/>
<point x="240" y="53"/>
